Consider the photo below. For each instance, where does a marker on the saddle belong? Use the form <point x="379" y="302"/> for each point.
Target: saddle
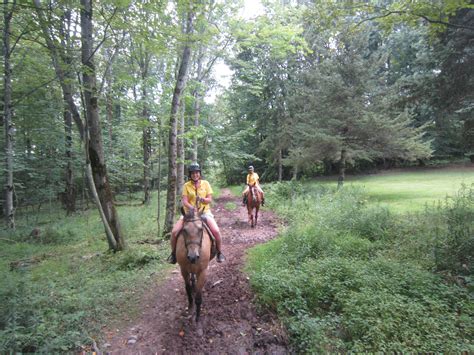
<point x="211" y="235"/>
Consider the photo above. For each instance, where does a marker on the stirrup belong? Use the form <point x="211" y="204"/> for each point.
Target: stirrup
<point x="220" y="257"/>
<point x="172" y="258"/>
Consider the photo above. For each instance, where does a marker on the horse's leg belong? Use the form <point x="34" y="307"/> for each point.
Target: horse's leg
<point x="189" y="287"/>
<point x="201" y="280"/>
<point x="256" y="215"/>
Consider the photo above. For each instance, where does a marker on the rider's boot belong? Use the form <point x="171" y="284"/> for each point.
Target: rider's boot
<point x="172" y="258"/>
<point x="244" y="200"/>
<point x="263" y="201"/>
<point x="220" y="257"/>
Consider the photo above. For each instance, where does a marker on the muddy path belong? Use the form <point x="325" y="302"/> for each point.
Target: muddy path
<point x="230" y="322"/>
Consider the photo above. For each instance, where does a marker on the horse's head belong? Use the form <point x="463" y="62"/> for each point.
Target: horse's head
<point x="192" y="232"/>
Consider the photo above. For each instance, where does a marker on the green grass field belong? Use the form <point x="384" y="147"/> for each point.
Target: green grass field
<point x="404" y="191"/>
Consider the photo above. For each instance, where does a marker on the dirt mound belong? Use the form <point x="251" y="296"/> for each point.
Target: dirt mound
<point x="230" y="322"/>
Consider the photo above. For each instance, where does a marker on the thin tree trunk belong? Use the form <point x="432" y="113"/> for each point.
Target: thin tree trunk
<point x="342" y="169"/>
<point x="70" y="192"/>
<point x="197" y="102"/>
<point x="109" y="110"/>
<point x="146" y="165"/>
<point x="95" y="146"/>
<point x="180" y="152"/>
<point x="143" y="62"/>
<point x="158" y="185"/>
<point x="280" y="166"/>
<point x="295" y="172"/>
<point x="180" y="84"/>
<point x="60" y="63"/>
<point x="7" y="117"/>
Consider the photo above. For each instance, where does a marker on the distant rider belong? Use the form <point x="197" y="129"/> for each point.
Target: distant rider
<point x="252" y="179"/>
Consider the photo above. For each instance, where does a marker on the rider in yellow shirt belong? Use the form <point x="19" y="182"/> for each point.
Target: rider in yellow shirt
<point x="252" y="179"/>
<point x="196" y="192"/>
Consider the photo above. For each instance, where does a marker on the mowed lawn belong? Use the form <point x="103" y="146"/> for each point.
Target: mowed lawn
<point x="405" y="191"/>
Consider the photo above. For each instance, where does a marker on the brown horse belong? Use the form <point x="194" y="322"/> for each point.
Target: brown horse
<point x="193" y="252"/>
<point x="254" y="199"/>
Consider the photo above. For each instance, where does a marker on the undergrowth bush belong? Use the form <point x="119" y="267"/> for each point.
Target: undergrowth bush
<point x="57" y="294"/>
<point x="346" y="276"/>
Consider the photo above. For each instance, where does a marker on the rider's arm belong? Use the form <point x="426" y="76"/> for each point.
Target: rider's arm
<point x="186" y="203"/>
<point x="206" y="200"/>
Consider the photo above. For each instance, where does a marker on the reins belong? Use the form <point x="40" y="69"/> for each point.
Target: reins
<point x="188" y="242"/>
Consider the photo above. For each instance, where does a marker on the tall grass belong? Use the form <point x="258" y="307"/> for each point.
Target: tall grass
<point x="409" y="191"/>
<point x="349" y="275"/>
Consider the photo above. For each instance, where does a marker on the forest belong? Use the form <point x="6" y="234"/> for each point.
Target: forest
<point x="105" y="104"/>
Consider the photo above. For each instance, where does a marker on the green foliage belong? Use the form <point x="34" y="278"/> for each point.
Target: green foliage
<point x="59" y="292"/>
<point x="348" y="276"/>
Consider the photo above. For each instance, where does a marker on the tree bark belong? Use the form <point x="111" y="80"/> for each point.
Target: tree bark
<point x="342" y="169"/>
<point x="60" y="59"/>
<point x="280" y="166"/>
<point x="70" y="192"/>
<point x="197" y="102"/>
<point x="7" y="118"/>
<point x="158" y="185"/>
<point x="94" y="141"/>
<point x="178" y="90"/>
<point x="180" y="152"/>
<point x="144" y="63"/>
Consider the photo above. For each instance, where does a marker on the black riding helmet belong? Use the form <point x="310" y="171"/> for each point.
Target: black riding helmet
<point x="193" y="167"/>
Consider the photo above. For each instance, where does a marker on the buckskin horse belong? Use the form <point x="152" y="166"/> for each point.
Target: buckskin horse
<point x="254" y="199"/>
<point x="194" y="250"/>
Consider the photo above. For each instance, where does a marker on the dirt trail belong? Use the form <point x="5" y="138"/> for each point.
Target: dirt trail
<point x="230" y="322"/>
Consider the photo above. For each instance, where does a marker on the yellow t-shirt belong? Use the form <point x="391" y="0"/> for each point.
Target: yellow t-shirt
<point x="252" y="179"/>
<point x="203" y="190"/>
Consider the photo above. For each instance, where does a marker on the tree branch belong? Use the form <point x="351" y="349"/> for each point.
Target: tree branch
<point x="389" y="13"/>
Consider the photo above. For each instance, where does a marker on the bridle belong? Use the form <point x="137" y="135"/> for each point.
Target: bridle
<point x="188" y="242"/>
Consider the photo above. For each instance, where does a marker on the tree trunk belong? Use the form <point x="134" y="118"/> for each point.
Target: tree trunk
<point x="70" y="192"/>
<point x="63" y="70"/>
<point x="62" y="64"/>
<point x="280" y="166"/>
<point x="295" y="172"/>
<point x="109" y="106"/>
<point x="144" y="61"/>
<point x="94" y="141"/>
<point x="7" y="118"/>
<point x="197" y="102"/>
<point x="342" y="169"/>
<point x="180" y="84"/>
<point x="180" y="152"/>
<point x="158" y="185"/>
<point x="146" y="165"/>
